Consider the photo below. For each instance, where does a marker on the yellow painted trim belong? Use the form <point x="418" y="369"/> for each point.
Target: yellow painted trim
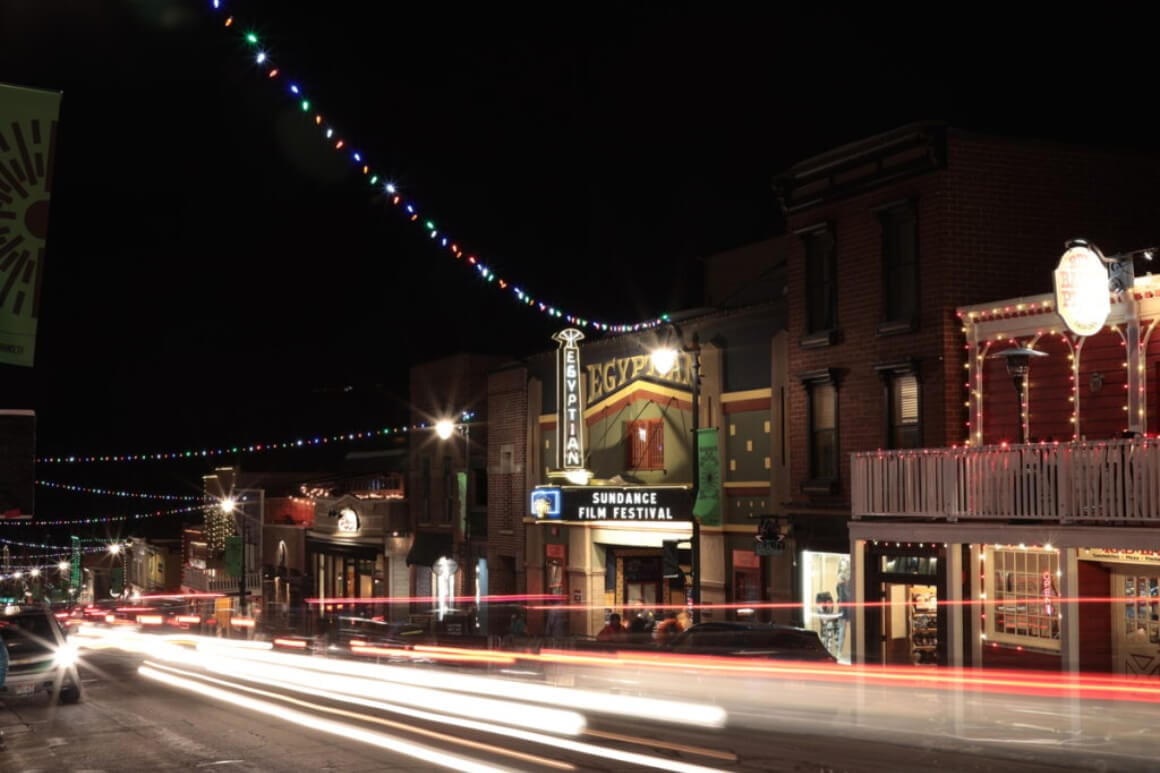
<point x="627" y="392"/>
<point x="747" y="484"/>
<point x="749" y="394"/>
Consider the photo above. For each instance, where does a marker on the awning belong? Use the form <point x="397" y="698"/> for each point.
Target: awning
<point x="429" y="547"/>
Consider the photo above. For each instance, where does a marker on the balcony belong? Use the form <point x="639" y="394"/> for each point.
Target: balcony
<point x="1113" y="481"/>
<point x="207" y="581"/>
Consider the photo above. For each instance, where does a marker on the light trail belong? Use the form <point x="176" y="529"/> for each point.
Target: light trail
<point x="355" y="691"/>
<point x="393" y="744"/>
<point x="679" y="712"/>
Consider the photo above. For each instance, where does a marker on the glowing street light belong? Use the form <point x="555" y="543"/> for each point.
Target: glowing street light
<point x="663" y="359"/>
<point x="444" y="429"/>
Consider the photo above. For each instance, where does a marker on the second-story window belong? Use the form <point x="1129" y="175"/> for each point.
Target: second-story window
<point x="645" y="444"/>
<point x="903" y="408"/>
<point x="821" y="291"/>
<point x="822" y="399"/>
<point x="823" y="432"/>
<point x="904" y="412"/>
<point x="899" y="223"/>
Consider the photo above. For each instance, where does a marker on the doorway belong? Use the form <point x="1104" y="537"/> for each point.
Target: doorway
<point x="1136" y="622"/>
<point x="909" y="624"/>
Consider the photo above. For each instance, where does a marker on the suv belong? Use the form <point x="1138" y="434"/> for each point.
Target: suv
<point x="752" y="640"/>
<point x="40" y="657"/>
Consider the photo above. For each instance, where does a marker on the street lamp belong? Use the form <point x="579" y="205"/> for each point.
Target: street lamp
<point x="232" y="505"/>
<point x="1018" y="365"/>
<point x="663" y="360"/>
<point x="117" y="549"/>
<point x="445" y="428"/>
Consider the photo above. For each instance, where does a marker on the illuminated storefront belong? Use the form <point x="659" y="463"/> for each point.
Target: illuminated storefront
<point x="608" y="520"/>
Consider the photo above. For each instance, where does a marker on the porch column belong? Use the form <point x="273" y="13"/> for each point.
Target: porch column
<point x="1069" y="610"/>
<point x="976" y="617"/>
<point x="856" y="621"/>
<point x="953" y="574"/>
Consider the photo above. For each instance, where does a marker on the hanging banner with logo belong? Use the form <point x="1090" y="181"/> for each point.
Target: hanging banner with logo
<point x="233" y="556"/>
<point x="461" y="485"/>
<point x="707" y="508"/>
<point x="28" y="119"/>
<point x="17" y="464"/>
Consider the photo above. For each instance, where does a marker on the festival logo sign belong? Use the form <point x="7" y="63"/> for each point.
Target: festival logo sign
<point x="27" y="147"/>
<point x="574" y="504"/>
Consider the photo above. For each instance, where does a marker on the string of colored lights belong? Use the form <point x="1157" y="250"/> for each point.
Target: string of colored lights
<point x="92" y="520"/>
<point x="110" y="492"/>
<point x="37" y="545"/>
<point x="335" y="138"/>
<point x="250" y="448"/>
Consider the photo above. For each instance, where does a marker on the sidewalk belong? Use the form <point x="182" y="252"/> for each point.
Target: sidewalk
<point x="10" y="725"/>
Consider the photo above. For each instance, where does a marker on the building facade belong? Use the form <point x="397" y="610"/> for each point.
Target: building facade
<point x="449" y="491"/>
<point x="610" y="434"/>
<point x="887" y="241"/>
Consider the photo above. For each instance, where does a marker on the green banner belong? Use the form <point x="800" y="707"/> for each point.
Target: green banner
<point x="234" y="556"/>
<point x="461" y="484"/>
<point x="707" y="508"/>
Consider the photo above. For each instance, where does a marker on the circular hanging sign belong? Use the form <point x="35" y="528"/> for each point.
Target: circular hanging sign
<point x="1081" y="290"/>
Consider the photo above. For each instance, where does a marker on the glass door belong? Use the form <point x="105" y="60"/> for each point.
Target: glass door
<point x="1136" y="623"/>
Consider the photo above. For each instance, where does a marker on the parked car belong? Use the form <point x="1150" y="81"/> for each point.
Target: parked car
<point x="40" y="657"/>
<point x="751" y="640"/>
<point x="349" y="631"/>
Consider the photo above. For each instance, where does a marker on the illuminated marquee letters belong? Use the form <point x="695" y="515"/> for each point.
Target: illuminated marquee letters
<point x="570" y="407"/>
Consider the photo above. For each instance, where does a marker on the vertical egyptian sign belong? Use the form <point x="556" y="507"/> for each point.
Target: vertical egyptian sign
<point x="28" y="119"/>
<point x="569" y="401"/>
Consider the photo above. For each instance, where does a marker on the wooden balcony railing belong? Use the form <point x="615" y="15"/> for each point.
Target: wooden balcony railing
<point x="203" y="581"/>
<point x="1097" y="482"/>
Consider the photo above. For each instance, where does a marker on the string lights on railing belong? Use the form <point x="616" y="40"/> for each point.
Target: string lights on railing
<point x="336" y="139"/>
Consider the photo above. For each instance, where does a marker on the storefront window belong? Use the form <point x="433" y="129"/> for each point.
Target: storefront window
<point x="822" y="573"/>
<point x="1142" y="609"/>
<point x="1022" y="585"/>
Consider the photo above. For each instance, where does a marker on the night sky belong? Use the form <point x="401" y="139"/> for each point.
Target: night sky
<point x="218" y="274"/>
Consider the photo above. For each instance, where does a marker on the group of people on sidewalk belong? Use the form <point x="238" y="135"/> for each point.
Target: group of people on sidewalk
<point x="644" y="627"/>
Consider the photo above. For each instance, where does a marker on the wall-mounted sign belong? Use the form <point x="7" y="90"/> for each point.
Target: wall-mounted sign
<point x="612" y="503"/>
<point x="1081" y="290"/>
<point x="347" y="520"/>
<point x="606" y="378"/>
<point x="1120" y="556"/>
<point x="569" y="404"/>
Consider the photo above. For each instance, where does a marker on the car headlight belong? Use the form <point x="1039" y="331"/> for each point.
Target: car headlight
<point x="65" y="656"/>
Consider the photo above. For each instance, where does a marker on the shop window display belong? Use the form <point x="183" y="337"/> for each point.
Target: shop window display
<point x="825" y="580"/>
<point x="1023" y="585"/>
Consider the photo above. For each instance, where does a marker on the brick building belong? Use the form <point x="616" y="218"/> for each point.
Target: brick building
<point x="448" y="489"/>
<point x="888" y="240"/>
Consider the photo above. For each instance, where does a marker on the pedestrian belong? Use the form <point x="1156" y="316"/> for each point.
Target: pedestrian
<point x="613" y="630"/>
<point x="643" y="622"/>
<point x="670" y="626"/>
<point x="517" y="630"/>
